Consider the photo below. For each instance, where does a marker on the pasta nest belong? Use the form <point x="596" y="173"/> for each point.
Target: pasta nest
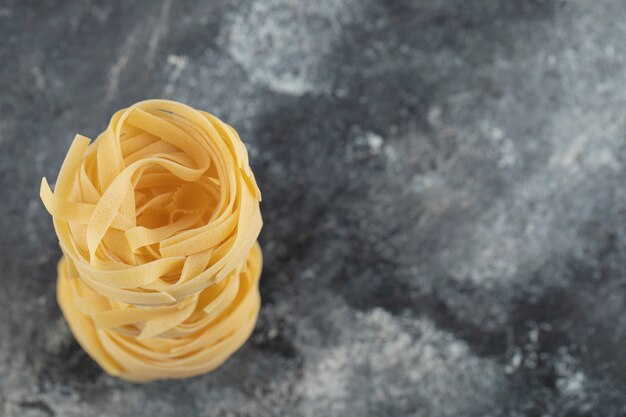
<point x="158" y="221"/>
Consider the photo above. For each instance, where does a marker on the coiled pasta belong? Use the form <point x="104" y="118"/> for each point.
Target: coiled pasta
<point x="157" y="220"/>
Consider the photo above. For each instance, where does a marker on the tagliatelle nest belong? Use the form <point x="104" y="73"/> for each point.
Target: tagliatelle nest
<point x="158" y="220"/>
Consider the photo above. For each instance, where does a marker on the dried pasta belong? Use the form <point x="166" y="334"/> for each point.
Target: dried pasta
<point x="158" y="221"/>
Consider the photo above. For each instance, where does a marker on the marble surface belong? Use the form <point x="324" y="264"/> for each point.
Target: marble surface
<point x="444" y="200"/>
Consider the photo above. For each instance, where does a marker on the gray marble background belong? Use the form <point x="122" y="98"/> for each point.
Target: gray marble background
<point x="444" y="200"/>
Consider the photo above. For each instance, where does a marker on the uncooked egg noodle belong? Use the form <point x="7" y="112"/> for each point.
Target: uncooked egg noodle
<point x="158" y="221"/>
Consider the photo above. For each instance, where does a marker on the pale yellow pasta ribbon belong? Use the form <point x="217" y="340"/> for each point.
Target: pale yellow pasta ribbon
<point x="158" y="221"/>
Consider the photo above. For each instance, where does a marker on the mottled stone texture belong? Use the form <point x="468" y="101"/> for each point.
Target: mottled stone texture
<point x="444" y="200"/>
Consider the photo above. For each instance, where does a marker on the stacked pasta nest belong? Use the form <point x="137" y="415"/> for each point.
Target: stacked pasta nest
<point x="158" y="221"/>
